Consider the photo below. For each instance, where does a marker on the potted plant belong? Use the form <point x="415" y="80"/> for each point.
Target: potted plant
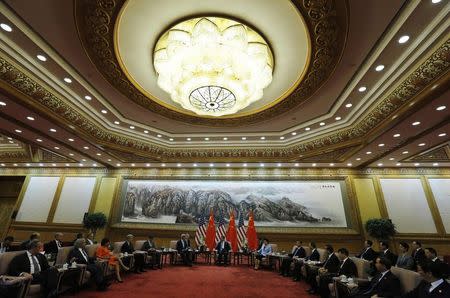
<point x="94" y="221"/>
<point x="380" y="228"/>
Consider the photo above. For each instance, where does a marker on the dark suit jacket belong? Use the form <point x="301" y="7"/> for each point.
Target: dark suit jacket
<point x="390" y="256"/>
<point x="127" y="247"/>
<point x="348" y="269"/>
<point x="315" y="256"/>
<point x="388" y="287"/>
<point x="369" y="255"/>
<point x="180" y="245"/>
<point x="8" y="248"/>
<point x="422" y="291"/>
<point x="299" y="252"/>
<point x="226" y="247"/>
<point x="51" y="247"/>
<point x="78" y="257"/>
<point x="21" y="263"/>
<point x="148" y="245"/>
<point x="419" y="256"/>
<point x="332" y="264"/>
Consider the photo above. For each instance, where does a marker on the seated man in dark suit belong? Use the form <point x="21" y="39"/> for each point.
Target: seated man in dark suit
<point x="53" y="246"/>
<point x="404" y="260"/>
<point x="35" y="263"/>
<point x="184" y="250"/>
<point x="385" y="252"/>
<point x="297" y="252"/>
<point x="330" y="266"/>
<point x="79" y="255"/>
<point x="432" y="256"/>
<point x="298" y="264"/>
<point x="222" y="248"/>
<point x="5" y="246"/>
<point x="384" y="284"/>
<point x="150" y="247"/>
<point x="33" y="236"/>
<point x="368" y="253"/>
<point x="433" y="284"/>
<point x="418" y="254"/>
<point x="347" y="268"/>
<point x="139" y="257"/>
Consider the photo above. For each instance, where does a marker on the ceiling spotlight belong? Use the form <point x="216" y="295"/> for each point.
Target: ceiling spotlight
<point x="331" y="164"/>
<point x="116" y="122"/>
<point x="358" y="158"/>
<point x="18" y="130"/>
<point x="68" y="80"/>
<point x="405" y="152"/>
<point x="435" y="1"/>
<point x="71" y="154"/>
<point x="403" y="39"/>
<point x="362" y="89"/>
<point x="308" y="128"/>
<point x="52" y="130"/>
<point x="379" y="67"/>
<point x="30" y="118"/>
<point x="211" y="165"/>
<point x="338" y="118"/>
<point x="293" y="133"/>
<point x="228" y="165"/>
<point x="322" y="123"/>
<point x="369" y="152"/>
<point x="6" y="27"/>
<point x="83" y="159"/>
<point x="15" y="165"/>
<point x="42" y="57"/>
<point x="244" y="165"/>
<point x="442" y="134"/>
<point x="132" y="127"/>
<point x="146" y="131"/>
<point x="398" y="164"/>
<point x="435" y="164"/>
<point x="225" y="139"/>
<point x="57" y="148"/>
<point x="70" y="140"/>
<point x="109" y="159"/>
<point x="421" y="144"/>
<point x="104" y="111"/>
<point x="171" y="139"/>
<point x="99" y="154"/>
<point x="28" y="164"/>
<point x="54" y="164"/>
<point x="314" y="164"/>
<point x="349" y="105"/>
<point x="391" y="158"/>
<point x="188" y="139"/>
<point x="396" y="135"/>
<point x="206" y="139"/>
<point x="86" y="147"/>
<point x="278" y="164"/>
<point x="417" y="164"/>
<point x="261" y="165"/>
<point x="440" y="108"/>
<point x="2" y="164"/>
<point x="87" y="97"/>
<point x="297" y="164"/>
<point x="39" y="140"/>
<point x="416" y="123"/>
<point x="118" y="164"/>
<point x="147" y="164"/>
<point x="380" y="164"/>
<point x="2" y="104"/>
<point x="349" y="165"/>
<point x="133" y="165"/>
<point x="381" y="145"/>
<point x="41" y="164"/>
<point x="281" y="138"/>
<point x="163" y="165"/>
<point x="243" y="138"/>
<point x="67" y="165"/>
<point x="195" y="165"/>
<point x="263" y="138"/>
<point x="94" y="164"/>
<point x="178" y="164"/>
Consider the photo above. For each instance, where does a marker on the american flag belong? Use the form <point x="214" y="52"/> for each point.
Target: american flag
<point x="200" y="233"/>
<point x="221" y="231"/>
<point x="241" y="231"/>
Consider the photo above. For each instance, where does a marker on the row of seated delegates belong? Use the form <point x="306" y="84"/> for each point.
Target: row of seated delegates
<point x="223" y="248"/>
<point x="298" y="262"/>
<point x="329" y="266"/>
<point x="139" y="256"/>
<point x="297" y="252"/>
<point x="184" y="249"/>
<point x="104" y="252"/>
<point x="89" y="238"/>
<point x="79" y="255"/>
<point x="150" y="247"/>
<point x="262" y="252"/>
<point x="6" y="245"/>
<point x="433" y="283"/>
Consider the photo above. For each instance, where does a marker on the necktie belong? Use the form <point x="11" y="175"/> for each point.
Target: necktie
<point x="35" y="264"/>
<point x="58" y="243"/>
<point x="295" y="252"/>
<point x="184" y="245"/>
<point x="84" y="255"/>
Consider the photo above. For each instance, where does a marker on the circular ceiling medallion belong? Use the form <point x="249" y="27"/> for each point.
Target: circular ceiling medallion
<point x="306" y="41"/>
<point x="213" y="54"/>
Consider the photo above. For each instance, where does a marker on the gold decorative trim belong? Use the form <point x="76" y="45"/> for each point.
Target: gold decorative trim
<point x="433" y="206"/>
<point x="96" y="21"/>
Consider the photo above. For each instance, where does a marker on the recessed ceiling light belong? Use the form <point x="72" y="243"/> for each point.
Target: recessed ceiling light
<point x="417" y="164"/>
<point x="369" y="152"/>
<point x="118" y="164"/>
<point x="379" y="67"/>
<point x="18" y="130"/>
<point x="435" y="164"/>
<point x="391" y="158"/>
<point x="104" y="111"/>
<point x="87" y="97"/>
<point x="261" y="165"/>
<point x="349" y="105"/>
<point x="206" y="139"/>
<point x="57" y="148"/>
<point x="2" y="103"/>
<point x="71" y="154"/>
<point x="398" y="164"/>
<point x="278" y="164"/>
<point x="42" y="57"/>
<point x="338" y="118"/>
<point x="133" y="165"/>
<point x="297" y="164"/>
<point x="293" y="133"/>
<point x="188" y="139"/>
<point x="163" y="165"/>
<point x="362" y="88"/>
<point x="331" y="164"/>
<point x="70" y="140"/>
<point x="380" y="164"/>
<point x="308" y="128"/>
<point x="322" y="123"/>
<point x="52" y="130"/>
<point x="41" y="164"/>
<point x="381" y="145"/>
<point x="403" y="39"/>
<point x="99" y="154"/>
<point x="435" y="1"/>
<point x="244" y="165"/>
<point x="262" y="138"/>
<point x="243" y="138"/>
<point x="281" y="138"/>
<point x="39" y="140"/>
<point x="83" y="159"/>
<point x="86" y="147"/>
<point x="54" y="164"/>
<point x="94" y="164"/>
<point x="421" y="144"/>
<point x="2" y="164"/>
<point x="211" y="165"/>
<point x="171" y="139"/>
<point x="396" y="135"/>
<point x="15" y="165"/>
<point x="358" y="158"/>
<point x="116" y="122"/>
<point x="30" y="118"/>
<point x="314" y="164"/>
<point x="416" y="123"/>
<point x="442" y="134"/>
<point x="159" y="136"/>
<point x="67" y="164"/>
<point x="228" y="165"/>
<point x="28" y="164"/>
<point x="225" y="139"/>
<point x="147" y="165"/>
<point x="349" y="164"/>
<point x="68" y="80"/>
<point x="11" y="142"/>
<point x="440" y="108"/>
<point x="178" y="164"/>
<point x="405" y="152"/>
<point x="195" y="165"/>
<point x="109" y="159"/>
<point x="132" y="127"/>
<point x="6" y="27"/>
<point x="146" y="131"/>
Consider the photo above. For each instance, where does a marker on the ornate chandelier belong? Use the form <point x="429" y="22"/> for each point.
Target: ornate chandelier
<point x="213" y="66"/>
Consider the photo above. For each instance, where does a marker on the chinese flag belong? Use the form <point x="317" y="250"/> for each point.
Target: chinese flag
<point x="211" y="232"/>
<point x="232" y="233"/>
<point x="251" y="233"/>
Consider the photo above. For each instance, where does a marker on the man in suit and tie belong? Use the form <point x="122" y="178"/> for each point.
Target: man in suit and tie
<point x="368" y="253"/>
<point x="297" y="252"/>
<point x="433" y="284"/>
<point x="185" y="250"/>
<point x="79" y="255"/>
<point x="384" y="284"/>
<point x="5" y="246"/>
<point x="385" y="252"/>
<point x="432" y="256"/>
<point x="347" y="268"/>
<point x="33" y="236"/>
<point x="35" y="263"/>
<point x="53" y="246"/>
<point x="139" y="257"/>
<point x="155" y="255"/>
<point x="418" y="254"/>
<point x="223" y="248"/>
<point x="329" y="266"/>
<point x="263" y="252"/>
<point x="404" y="260"/>
<point x="298" y="264"/>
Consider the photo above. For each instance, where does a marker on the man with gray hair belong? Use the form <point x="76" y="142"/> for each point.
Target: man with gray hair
<point x="139" y="257"/>
<point x="34" y="263"/>
<point x="53" y="246"/>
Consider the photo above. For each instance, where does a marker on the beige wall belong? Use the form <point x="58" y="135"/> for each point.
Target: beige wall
<point x="365" y="189"/>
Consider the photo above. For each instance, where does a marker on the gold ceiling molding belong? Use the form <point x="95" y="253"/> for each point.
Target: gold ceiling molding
<point x="437" y="154"/>
<point x="336" y="155"/>
<point x="327" y="24"/>
<point x="24" y="89"/>
<point x="127" y="156"/>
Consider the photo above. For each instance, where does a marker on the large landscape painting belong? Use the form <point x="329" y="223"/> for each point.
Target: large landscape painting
<point x="274" y="203"/>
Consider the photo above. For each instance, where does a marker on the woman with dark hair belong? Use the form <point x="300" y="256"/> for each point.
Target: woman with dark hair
<point x="104" y="253"/>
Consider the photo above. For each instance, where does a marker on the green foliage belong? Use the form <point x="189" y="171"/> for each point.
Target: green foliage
<point x="380" y="228"/>
<point x="95" y="221"/>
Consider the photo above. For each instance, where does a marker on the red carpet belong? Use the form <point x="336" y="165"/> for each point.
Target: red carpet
<point x="203" y="281"/>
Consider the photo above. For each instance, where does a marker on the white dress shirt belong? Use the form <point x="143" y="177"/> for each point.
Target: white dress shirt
<point x="30" y="258"/>
<point x="83" y="253"/>
<point x="435" y="284"/>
